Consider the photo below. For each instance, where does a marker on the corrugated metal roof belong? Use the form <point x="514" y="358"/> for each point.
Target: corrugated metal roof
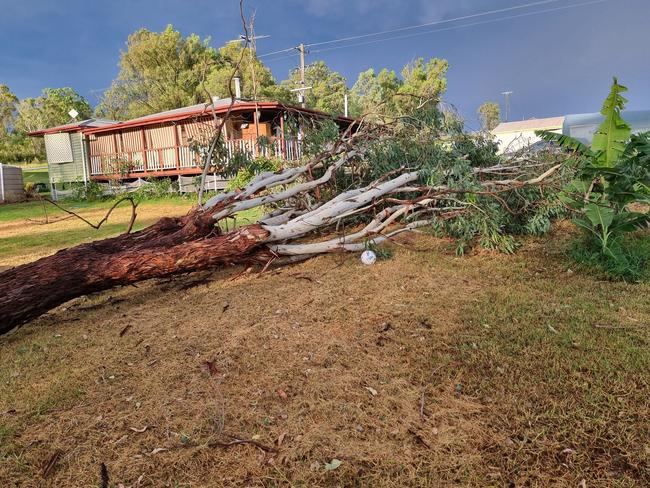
<point x="205" y="109"/>
<point x="74" y="126"/>
<point x="190" y="110"/>
<point x="528" y="125"/>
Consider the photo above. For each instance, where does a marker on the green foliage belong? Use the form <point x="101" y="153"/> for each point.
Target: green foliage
<point x="91" y="191"/>
<point x="8" y="103"/>
<point x="388" y="95"/>
<point x="613" y="177"/>
<point x="613" y="180"/>
<point x="489" y="114"/>
<point x="228" y="56"/>
<point x="372" y="90"/>
<point x="319" y="136"/>
<point x="628" y="260"/>
<point x="50" y="109"/>
<point x="611" y="138"/>
<point x="247" y="169"/>
<point x="434" y="144"/>
<point x="563" y="141"/>
<point x="159" y="71"/>
<point x="327" y="87"/>
<point x="424" y="83"/>
<point x="156" y="188"/>
<point x="383" y="253"/>
<point x="16" y="147"/>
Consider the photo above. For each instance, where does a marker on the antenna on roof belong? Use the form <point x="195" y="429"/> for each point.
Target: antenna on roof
<point x="507" y="95"/>
<point x="243" y="38"/>
<point x="73" y="113"/>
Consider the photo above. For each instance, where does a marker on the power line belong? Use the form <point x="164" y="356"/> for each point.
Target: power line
<point x="537" y="12"/>
<point x="437" y="22"/>
<point x="491" y="12"/>
<point x="465" y="17"/>
<point x="279" y="58"/>
<point x="276" y="52"/>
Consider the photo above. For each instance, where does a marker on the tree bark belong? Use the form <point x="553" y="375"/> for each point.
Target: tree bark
<point x="160" y="250"/>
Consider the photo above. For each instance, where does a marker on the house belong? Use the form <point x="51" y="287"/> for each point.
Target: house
<point x="513" y="136"/>
<point x="584" y="126"/>
<point x="66" y="151"/>
<point x="168" y="144"/>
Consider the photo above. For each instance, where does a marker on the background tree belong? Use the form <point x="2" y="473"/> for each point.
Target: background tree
<point x="489" y="114"/>
<point x="327" y="87"/>
<point x="389" y="95"/>
<point x="158" y="71"/>
<point x="374" y="89"/>
<point x="423" y="83"/>
<point x="48" y="110"/>
<point x="51" y="109"/>
<point x="8" y="102"/>
<point x="228" y="55"/>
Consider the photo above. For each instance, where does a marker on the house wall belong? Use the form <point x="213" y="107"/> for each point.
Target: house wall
<point x="68" y="171"/>
<point x="513" y="141"/>
<point x="11" y="184"/>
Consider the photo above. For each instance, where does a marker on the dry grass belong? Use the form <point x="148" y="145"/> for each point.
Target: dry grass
<point x="503" y="349"/>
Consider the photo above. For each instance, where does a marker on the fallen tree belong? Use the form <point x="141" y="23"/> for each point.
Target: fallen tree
<point x="354" y="195"/>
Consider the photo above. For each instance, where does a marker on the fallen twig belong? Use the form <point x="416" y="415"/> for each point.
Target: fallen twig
<point x="237" y="442"/>
<point x="96" y="226"/>
<point x="51" y="463"/>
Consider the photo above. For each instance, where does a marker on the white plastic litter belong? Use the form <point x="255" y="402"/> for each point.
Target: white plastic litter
<point x="368" y="257"/>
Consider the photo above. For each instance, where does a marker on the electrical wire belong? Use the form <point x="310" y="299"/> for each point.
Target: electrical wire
<point x="437" y="22"/>
<point x="419" y="26"/>
<point x="500" y="19"/>
<point x="279" y="58"/>
<point x="276" y="52"/>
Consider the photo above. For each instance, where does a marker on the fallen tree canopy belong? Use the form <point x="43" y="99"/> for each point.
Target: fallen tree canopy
<point x="364" y="189"/>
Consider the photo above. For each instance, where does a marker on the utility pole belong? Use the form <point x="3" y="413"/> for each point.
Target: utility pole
<point x="507" y="95"/>
<point x="301" y="49"/>
<point x="250" y="40"/>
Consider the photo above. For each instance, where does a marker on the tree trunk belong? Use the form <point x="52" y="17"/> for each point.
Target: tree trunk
<point x="160" y="250"/>
<point x="291" y="230"/>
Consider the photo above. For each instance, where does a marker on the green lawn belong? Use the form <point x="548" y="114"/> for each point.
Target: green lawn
<point x="36" y="175"/>
<point x="25" y="235"/>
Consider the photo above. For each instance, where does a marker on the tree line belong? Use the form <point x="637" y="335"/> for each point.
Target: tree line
<point x="161" y="71"/>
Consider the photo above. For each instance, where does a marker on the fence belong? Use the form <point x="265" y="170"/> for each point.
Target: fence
<point x="177" y="159"/>
<point x="190" y="184"/>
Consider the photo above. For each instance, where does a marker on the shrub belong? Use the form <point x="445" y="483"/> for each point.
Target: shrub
<point x="255" y="166"/>
<point x="156" y="188"/>
<point x="613" y="180"/>
<point x="90" y="191"/>
<point x="629" y="258"/>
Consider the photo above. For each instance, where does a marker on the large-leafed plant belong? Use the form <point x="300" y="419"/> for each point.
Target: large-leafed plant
<point x="612" y="175"/>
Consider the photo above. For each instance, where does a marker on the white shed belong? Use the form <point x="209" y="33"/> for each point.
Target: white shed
<point x="11" y="184"/>
<point x="512" y="136"/>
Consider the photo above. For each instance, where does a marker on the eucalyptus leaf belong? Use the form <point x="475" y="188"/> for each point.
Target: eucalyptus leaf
<point x="333" y="464"/>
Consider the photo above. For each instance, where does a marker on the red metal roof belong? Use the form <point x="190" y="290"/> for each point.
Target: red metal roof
<point x="73" y="127"/>
<point x="205" y="109"/>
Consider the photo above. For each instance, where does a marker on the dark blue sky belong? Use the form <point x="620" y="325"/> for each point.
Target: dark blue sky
<point x="556" y="62"/>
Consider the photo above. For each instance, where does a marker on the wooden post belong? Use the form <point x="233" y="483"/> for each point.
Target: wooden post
<point x="144" y="150"/>
<point x="177" y="142"/>
<point x="283" y="145"/>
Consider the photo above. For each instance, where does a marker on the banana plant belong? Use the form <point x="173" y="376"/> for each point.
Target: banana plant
<point x="612" y="174"/>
